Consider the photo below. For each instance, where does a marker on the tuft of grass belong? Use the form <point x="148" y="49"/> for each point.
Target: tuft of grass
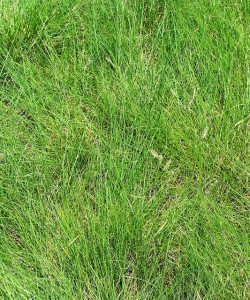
<point x="124" y="149"/>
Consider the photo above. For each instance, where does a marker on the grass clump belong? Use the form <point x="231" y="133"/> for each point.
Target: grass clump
<point x="124" y="149"/>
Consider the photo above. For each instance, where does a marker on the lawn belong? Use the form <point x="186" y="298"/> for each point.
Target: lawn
<point x="124" y="149"/>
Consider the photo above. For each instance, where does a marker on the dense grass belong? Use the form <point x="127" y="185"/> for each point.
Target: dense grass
<point x="124" y="130"/>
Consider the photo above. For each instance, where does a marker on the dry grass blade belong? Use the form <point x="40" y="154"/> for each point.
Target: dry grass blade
<point x="156" y="155"/>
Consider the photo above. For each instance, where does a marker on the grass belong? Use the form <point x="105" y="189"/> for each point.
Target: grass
<point x="124" y="149"/>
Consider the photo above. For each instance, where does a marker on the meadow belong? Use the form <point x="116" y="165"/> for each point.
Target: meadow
<point x="124" y="149"/>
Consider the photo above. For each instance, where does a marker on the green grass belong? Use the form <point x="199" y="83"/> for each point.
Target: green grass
<point x="124" y="149"/>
